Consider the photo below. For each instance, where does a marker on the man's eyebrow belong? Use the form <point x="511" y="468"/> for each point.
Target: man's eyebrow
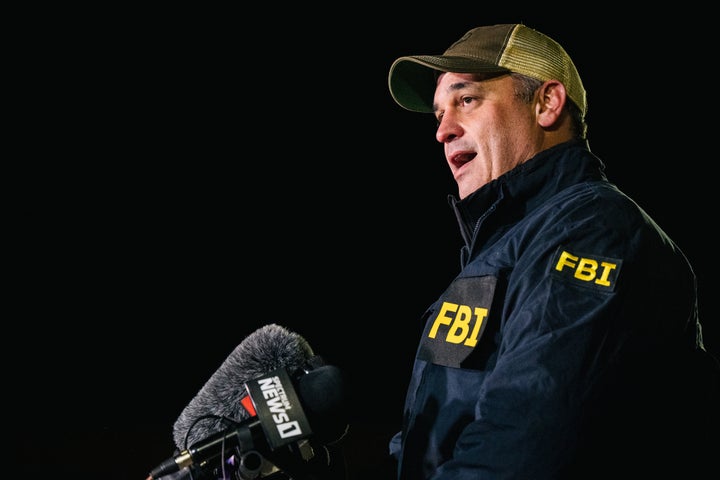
<point x="460" y="85"/>
<point x="477" y="80"/>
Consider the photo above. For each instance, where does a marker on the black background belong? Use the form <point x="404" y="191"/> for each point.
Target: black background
<point x="205" y="173"/>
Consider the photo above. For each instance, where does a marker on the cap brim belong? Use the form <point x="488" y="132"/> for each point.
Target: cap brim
<point x="412" y="79"/>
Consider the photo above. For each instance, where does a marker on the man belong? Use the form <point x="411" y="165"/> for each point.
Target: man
<point x="569" y="344"/>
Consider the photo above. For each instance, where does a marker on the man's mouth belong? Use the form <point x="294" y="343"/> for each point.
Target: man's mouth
<point x="460" y="159"/>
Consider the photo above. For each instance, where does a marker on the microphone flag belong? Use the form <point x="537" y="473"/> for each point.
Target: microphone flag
<point x="278" y="408"/>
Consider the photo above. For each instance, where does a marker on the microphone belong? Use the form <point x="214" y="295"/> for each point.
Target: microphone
<point x="289" y="410"/>
<point x="267" y="349"/>
<point x="236" y="407"/>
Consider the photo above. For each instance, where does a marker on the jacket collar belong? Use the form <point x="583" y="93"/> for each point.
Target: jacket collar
<point x="528" y="185"/>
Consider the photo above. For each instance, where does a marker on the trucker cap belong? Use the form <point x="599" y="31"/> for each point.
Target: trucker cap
<point x="511" y="47"/>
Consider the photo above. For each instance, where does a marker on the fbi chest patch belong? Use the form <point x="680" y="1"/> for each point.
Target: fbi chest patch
<point x="586" y="270"/>
<point x="454" y="329"/>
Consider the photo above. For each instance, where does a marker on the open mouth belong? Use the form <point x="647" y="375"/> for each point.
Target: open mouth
<point x="461" y="159"/>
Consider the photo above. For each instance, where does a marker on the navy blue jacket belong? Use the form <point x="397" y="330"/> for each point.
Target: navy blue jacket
<point x="557" y="350"/>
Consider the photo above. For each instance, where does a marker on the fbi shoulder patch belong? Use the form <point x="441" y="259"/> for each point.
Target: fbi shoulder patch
<point x="587" y="270"/>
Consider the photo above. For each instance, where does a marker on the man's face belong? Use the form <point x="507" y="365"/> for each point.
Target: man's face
<point x="484" y="127"/>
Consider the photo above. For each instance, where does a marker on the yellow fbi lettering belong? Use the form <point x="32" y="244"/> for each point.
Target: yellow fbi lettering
<point x="586" y="269"/>
<point x="463" y="322"/>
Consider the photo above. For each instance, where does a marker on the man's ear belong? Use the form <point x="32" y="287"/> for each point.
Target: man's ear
<point x="551" y="98"/>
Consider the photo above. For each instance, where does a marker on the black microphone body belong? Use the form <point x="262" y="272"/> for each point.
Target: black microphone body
<point x="243" y="438"/>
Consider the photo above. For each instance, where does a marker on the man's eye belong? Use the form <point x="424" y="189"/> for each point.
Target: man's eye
<point x="467" y="100"/>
